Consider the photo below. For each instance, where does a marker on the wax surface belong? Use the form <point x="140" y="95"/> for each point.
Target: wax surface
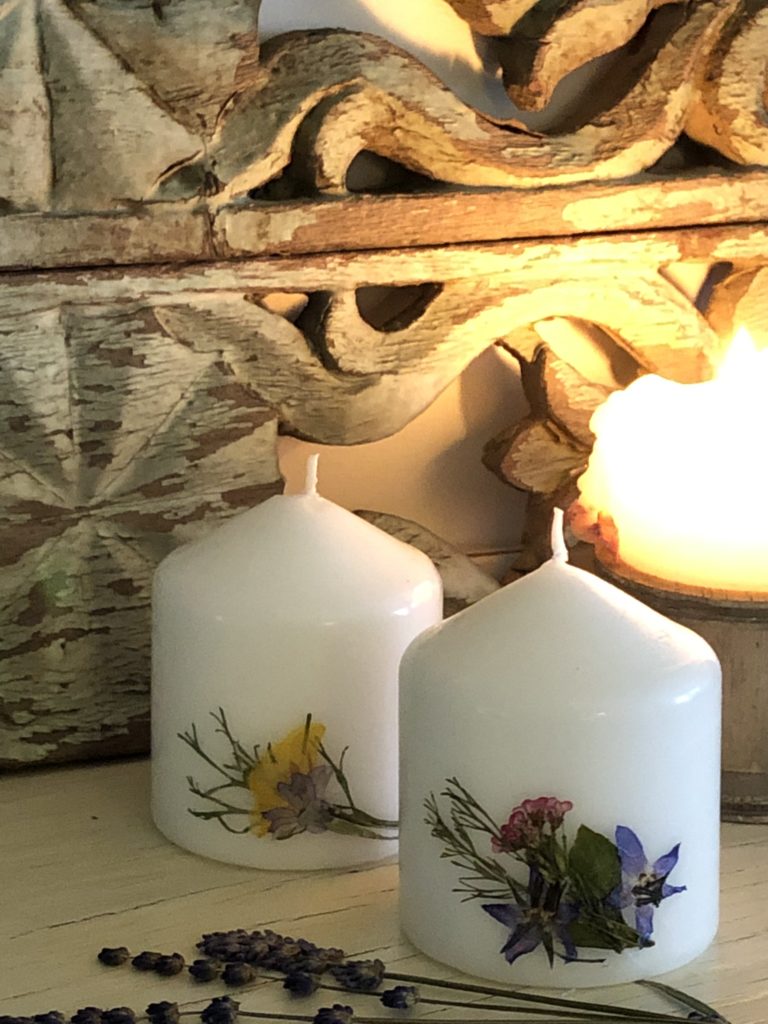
<point x="561" y="686"/>
<point x="294" y="609"/>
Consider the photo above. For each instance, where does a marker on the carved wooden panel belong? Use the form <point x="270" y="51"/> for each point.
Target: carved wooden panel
<point x="164" y="392"/>
<point x="188" y="117"/>
<point x="118" y="442"/>
<point x="140" y="404"/>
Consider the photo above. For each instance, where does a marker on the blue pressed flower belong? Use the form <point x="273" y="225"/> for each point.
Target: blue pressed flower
<point x="401" y="997"/>
<point x="643" y="885"/>
<point x="541" y="921"/>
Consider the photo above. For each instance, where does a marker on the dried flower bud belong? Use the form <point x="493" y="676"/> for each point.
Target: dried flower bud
<point x="301" y="983"/>
<point x="87" y="1015"/>
<point x="169" y="965"/>
<point x="359" y="975"/>
<point x="146" y="961"/>
<point x="119" y="1015"/>
<point x="336" y="1014"/>
<point x="205" y="970"/>
<point x="238" y="974"/>
<point x="163" y="1013"/>
<point x="221" y="1010"/>
<point x="401" y="997"/>
<point x="114" y="956"/>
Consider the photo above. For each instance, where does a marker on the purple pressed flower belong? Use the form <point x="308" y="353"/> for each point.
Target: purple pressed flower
<point x="307" y="810"/>
<point x="643" y="885"/>
<point x="543" y="920"/>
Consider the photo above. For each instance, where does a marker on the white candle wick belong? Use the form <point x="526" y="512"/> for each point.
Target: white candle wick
<point x="559" y="549"/>
<point x="310" y="480"/>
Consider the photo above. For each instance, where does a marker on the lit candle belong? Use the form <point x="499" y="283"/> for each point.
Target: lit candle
<point x="675" y="483"/>
<point x="276" y="644"/>
<point x="560" y="786"/>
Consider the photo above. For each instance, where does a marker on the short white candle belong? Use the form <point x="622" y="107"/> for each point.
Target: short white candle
<point x="560" y="686"/>
<point x="276" y="644"/>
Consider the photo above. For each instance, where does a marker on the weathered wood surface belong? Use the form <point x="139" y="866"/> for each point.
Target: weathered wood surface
<point x="118" y="443"/>
<point x="165" y="389"/>
<point x="183" y="104"/>
<point x="93" y="871"/>
<point x="176" y="232"/>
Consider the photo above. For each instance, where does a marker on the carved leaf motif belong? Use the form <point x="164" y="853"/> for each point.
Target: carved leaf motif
<point x="740" y="301"/>
<point x="191" y="55"/>
<point x="364" y="94"/>
<point x="536" y="456"/>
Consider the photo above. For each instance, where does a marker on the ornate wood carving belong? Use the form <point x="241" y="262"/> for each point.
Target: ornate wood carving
<point x="140" y="404"/>
<point x="187" y="116"/>
<point x="165" y="392"/>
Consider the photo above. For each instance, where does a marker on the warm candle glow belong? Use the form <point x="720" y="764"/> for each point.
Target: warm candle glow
<point x="677" y="477"/>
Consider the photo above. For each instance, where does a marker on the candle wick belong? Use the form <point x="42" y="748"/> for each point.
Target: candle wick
<point x="559" y="548"/>
<point x="310" y="480"/>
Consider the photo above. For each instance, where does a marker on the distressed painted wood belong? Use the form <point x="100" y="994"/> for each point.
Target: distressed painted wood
<point x="80" y="846"/>
<point x="140" y="404"/>
<point x="165" y="391"/>
<point x="136" y="443"/>
<point x="184" y="103"/>
<point x="177" y="232"/>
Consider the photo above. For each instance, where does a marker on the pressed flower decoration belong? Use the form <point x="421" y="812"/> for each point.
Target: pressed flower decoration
<point x="548" y="891"/>
<point x="292" y="786"/>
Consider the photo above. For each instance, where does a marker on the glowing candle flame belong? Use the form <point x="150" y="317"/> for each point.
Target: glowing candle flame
<point x="677" y="479"/>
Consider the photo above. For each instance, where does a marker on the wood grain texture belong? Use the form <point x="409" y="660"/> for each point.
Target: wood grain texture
<point x="184" y="104"/>
<point x="93" y="872"/>
<point x="358" y="92"/>
<point x="178" y="232"/>
<point x="135" y="444"/>
<point x="165" y="390"/>
<point x="730" y="109"/>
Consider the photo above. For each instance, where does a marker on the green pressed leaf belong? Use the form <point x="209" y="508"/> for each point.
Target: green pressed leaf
<point x="603" y="933"/>
<point x="594" y="864"/>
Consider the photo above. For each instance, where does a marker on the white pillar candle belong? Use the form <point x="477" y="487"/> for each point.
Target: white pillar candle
<point x="276" y="644"/>
<point x="560" y="760"/>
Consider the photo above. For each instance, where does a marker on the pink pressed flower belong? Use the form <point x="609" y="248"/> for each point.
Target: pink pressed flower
<point x="526" y="823"/>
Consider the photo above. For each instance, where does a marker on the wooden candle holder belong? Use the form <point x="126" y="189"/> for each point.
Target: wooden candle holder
<point x="736" y="625"/>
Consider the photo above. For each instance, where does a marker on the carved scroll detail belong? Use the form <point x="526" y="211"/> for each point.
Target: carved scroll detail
<point x="182" y="103"/>
<point x="162" y="401"/>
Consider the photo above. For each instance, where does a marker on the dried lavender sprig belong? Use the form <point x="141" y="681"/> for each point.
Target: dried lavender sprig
<point x="570" y="1015"/>
<point x="624" y="1012"/>
<point x="601" y="1009"/>
<point x="302" y="1017"/>
<point x="585" y="1015"/>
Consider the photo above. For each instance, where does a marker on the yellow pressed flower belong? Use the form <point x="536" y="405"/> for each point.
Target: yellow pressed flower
<point x="295" y="754"/>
